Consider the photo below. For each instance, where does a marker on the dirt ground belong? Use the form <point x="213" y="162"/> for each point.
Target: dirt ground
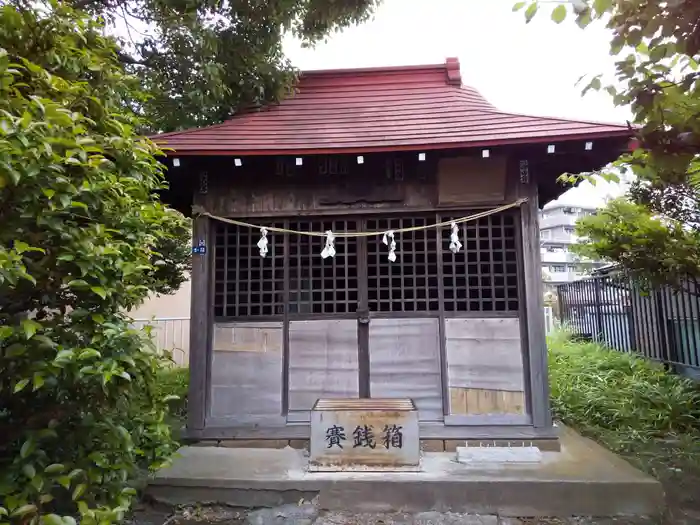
<point x="306" y="514"/>
<point x="677" y="466"/>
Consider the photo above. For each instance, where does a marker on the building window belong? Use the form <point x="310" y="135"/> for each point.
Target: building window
<point x="558" y="269"/>
<point x="546" y="234"/>
<point x="569" y="211"/>
<point x="569" y="229"/>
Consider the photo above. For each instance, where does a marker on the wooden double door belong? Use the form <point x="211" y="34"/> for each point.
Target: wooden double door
<point x="360" y="325"/>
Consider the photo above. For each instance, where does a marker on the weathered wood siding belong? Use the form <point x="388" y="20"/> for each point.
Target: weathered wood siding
<point x="404" y="357"/>
<point x="199" y="327"/>
<point x="286" y="199"/>
<point x="246" y="373"/>
<point x="485" y="366"/>
<point x="382" y="182"/>
<point x="474" y="401"/>
<point x="322" y="361"/>
<point x="534" y="305"/>
<point x="485" y="180"/>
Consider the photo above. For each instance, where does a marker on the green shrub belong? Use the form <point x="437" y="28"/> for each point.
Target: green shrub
<point x="604" y="392"/>
<point x="80" y="224"/>
<point x="173" y="382"/>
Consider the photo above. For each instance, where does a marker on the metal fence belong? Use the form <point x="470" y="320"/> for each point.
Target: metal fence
<point x="170" y="333"/>
<point x="660" y="323"/>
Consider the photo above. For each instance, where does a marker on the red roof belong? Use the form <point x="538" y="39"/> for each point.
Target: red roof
<point x="383" y="109"/>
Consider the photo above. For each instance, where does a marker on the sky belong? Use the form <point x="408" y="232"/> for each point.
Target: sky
<point x="523" y="68"/>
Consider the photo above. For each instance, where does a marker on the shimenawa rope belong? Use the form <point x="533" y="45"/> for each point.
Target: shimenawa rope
<point x="468" y="218"/>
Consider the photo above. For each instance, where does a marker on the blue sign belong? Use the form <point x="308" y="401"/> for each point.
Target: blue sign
<point x="201" y="248"/>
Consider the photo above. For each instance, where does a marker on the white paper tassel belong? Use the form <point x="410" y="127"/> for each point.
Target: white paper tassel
<point x="329" y="249"/>
<point x="388" y="239"/>
<point x="455" y="245"/>
<point x="262" y="243"/>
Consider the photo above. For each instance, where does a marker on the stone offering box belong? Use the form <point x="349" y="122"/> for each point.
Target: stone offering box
<point x="364" y="434"/>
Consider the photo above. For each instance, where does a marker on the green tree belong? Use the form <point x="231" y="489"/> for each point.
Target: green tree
<point x="80" y="230"/>
<point x="202" y="60"/>
<point x="651" y="247"/>
<point x="657" y="45"/>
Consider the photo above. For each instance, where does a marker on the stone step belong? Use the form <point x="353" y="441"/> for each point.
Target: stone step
<point x="582" y="480"/>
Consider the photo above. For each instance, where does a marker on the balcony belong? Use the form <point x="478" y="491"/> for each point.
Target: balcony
<point x="558" y="237"/>
<point x="558" y="220"/>
<point x="558" y="257"/>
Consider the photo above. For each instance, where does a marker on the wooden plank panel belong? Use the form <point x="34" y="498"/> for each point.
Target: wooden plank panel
<point x="404" y="357"/>
<point x="247" y="382"/>
<point x="484" y="354"/>
<point x="472" y="401"/>
<point x="458" y="400"/>
<point x="468" y="180"/>
<point x="512" y="402"/>
<point x="494" y="328"/>
<point x="247" y="337"/>
<point x="322" y="361"/>
<point x="284" y="200"/>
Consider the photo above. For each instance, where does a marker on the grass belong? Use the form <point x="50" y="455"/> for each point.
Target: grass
<point x="175" y="381"/>
<point x="635" y="408"/>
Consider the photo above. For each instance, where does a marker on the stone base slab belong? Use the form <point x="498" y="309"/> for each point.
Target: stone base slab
<point x="427" y="445"/>
<point x="583" y="479"/>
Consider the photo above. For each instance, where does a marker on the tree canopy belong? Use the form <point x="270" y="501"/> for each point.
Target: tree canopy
<point x="201" y="60"/>
<point x="654" y="231"/>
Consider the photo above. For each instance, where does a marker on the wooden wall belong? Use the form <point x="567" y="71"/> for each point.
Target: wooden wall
<point x="255" y="189"/>
<point x="485" y="366"/>
<point x="287" y="199"/>
<point x="246" y="374"/>
<point x="485" y="374"/>
<point x="404" y="361"/>
<point x="471" y="179"/>
<point x="323" y="362"/>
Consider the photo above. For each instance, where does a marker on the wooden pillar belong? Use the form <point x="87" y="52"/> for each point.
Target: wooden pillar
<point x="200" y="325"/>
<point x="534" y="308"/>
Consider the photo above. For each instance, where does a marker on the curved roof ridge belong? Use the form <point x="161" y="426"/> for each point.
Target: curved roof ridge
<point x="380" y="109"/>
<point x="495" y="109"/>
<point x="569" y="120"/>
<point x="370" y="70"/>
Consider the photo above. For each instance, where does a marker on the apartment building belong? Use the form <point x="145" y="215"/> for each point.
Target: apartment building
<point x="557" y="235"/>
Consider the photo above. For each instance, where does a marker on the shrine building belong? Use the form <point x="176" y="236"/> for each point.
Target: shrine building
<point x="449" y="316"/>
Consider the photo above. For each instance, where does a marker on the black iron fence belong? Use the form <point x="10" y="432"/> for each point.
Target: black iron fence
<point x="660" y="323"/>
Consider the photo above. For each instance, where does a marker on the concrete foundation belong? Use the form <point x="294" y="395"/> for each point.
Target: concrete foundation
<point x="583" y="479"/>
<point x="426" y="445"/>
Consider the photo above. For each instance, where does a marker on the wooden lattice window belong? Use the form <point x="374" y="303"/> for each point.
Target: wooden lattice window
<point x="483" y="276"/>
<point x="411" y="283"/>
<point x="245" y="284"/>
<point x="317" y="285"/>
